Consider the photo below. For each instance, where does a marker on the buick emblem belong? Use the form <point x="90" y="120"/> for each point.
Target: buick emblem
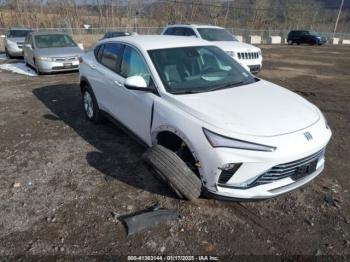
<point x="308" y="136"/>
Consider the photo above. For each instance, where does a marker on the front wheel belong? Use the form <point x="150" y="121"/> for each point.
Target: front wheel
<point x="90" y="106"/>
<point x="7" y="54"/>
<point x="172" y="170"/>
<point x="37" y="69"/>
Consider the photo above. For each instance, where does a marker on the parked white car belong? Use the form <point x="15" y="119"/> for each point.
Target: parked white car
<point x="247" y="55"/>
<point x="211" y="126"/>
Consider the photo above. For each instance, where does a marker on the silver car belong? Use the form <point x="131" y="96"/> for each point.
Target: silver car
<point x="13" y="41"/>
<point x="51" y="52"/>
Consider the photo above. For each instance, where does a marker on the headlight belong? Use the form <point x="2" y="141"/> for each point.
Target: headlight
<point x="325" y="120"/>
<point x="221" y="141"/>
<point x="230" y="53"/>
<point x="11" y="43"/>
<point x="45" y="58"/>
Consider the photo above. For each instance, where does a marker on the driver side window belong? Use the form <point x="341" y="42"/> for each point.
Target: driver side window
<point x="134" y="65"/>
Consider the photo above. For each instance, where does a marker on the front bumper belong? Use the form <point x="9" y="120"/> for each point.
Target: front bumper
<point x="51" y="66"/>
<point x="290" y="148"/>
<point x="14" y="50"/>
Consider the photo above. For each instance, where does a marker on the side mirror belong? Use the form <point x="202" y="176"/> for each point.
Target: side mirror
<point x="2" y="36"/>
<point x="28" y="46"/>
<point x="136" y="83"/>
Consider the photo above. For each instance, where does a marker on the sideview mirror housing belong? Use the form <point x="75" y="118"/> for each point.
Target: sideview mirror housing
<point x="28" y="46"/>
<point x="136" y="83"/>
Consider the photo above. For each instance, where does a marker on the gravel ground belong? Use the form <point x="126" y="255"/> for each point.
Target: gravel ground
<point x="65" y="181"/>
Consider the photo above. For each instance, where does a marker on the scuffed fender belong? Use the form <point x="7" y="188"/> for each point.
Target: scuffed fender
<point x="167" y="117"/>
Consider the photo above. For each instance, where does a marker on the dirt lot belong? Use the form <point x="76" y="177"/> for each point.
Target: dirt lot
<point x="64" y="181"/>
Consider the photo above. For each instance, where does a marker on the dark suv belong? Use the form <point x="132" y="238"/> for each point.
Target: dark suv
<point x="305" y="37"/>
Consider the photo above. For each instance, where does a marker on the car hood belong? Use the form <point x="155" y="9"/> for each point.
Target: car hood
<point x="236" y="46"/>
<point x="59" y="52"/>
<point x="258" y="109"/>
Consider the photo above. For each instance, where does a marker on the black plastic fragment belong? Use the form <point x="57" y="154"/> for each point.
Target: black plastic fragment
<point x="145" y="219"/>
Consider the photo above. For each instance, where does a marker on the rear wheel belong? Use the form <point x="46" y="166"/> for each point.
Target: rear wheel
<point x="171" y="169"/>
<point x="290" y="42"/>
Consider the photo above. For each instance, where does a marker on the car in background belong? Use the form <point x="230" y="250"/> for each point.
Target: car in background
<point x="247" y="55"/>
<point x="209" y="124"/>
<point x="115" y="34"/>
<point x="13" y="41"/>
<point x="305" y="37"/>
<point x="51" y="52"/>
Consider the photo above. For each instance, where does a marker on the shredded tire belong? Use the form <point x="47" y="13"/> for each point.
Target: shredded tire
<point x="173" y="171"/>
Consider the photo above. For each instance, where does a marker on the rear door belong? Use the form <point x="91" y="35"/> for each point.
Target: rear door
<point x="103" y="74"/>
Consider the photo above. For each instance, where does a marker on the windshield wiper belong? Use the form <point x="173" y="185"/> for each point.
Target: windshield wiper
<point x="185" y="92"/>
<point x="226" y="86"/>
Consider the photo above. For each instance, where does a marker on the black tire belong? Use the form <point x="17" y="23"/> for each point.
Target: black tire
<point x="173" y="171"/>
<point x="37" y="70"/>
<point x="7" y="54"/>
<point x="290" y="42"/>
<point x="96" y="116"/>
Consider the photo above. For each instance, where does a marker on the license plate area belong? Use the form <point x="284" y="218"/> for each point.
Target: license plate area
<point x="67" y="65"/>
<point x="305" y="170"/>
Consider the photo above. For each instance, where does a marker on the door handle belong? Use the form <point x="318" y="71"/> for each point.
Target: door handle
<point x="118" y="83"/>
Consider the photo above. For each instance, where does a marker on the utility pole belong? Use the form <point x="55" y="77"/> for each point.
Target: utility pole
<point x="336" y="22"/>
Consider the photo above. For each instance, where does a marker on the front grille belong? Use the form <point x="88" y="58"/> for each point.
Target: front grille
<point x="290" y="169"/>
<point x="248" y="55"/>
<point x="63" y="59"/>
<point x="65" y="67"/>
<point x="254" y="68"/>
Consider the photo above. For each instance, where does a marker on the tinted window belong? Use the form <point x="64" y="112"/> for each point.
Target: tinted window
<point x="189" y="32"/>
<point x="111" y="56"/>
<point x="169" y="31"/>
<point x="179" y="31"/>
<point x="134" y="65"/>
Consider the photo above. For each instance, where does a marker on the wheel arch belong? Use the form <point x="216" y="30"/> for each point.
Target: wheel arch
<point x="172" y="133"/>
<point x="84" y="82"/>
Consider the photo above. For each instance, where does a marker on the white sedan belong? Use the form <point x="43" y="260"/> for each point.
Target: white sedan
<point x="209" y="124"/>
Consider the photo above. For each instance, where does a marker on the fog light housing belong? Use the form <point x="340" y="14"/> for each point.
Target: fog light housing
<point x="228" y="170"/>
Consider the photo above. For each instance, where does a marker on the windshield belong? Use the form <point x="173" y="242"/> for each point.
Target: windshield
<point x="216" y="34"/>
<point x="52" y="41"/>
<point x="18" y="33"/>
<point x="198" y="69"/>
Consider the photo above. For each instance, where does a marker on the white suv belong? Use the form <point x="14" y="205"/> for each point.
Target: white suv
<point x="245" y="54"/>
<point x="209" y="124"/>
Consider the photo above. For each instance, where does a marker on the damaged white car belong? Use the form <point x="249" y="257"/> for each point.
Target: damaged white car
<point x="210" y="125"/>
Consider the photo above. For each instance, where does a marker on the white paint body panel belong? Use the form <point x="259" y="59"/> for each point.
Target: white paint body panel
<point x="262" y="113"/>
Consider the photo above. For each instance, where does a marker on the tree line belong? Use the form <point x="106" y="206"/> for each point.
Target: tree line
<point x="247" y="14"/>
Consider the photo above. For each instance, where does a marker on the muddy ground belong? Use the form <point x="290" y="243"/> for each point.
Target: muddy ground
<point x="65" y="181"/>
